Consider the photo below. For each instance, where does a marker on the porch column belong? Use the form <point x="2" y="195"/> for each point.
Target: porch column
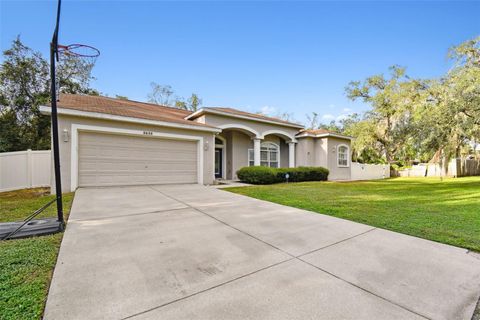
<point x="291" y="154"/>
<point x="256" y="151"/>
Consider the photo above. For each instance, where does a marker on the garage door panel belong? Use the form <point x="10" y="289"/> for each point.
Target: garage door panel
<point x="108" y="159"/>
<point x="95" y="166"/>
<point x="140" y="154"/>
<point x="138" y="179"/>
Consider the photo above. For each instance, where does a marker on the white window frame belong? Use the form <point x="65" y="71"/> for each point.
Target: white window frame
<point x="251" y="154"/>
<point x="250" y="157"/>
<point x="338" y="156"/>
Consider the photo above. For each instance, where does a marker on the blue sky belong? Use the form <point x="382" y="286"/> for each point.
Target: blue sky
<point x="294" y="57"/>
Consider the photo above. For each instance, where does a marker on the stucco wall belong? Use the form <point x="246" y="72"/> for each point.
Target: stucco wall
<point x="241" y="144"/>
<point x="283" y="154"/>
<point x="238" y="144"/>
<point x="322" y="152"/>
<point x="229" y="152"/>
<point x="259" y="128"/>
<point x="65" y="122"/>
<point x="305" y="152"/>
<point x="336" y="172"/>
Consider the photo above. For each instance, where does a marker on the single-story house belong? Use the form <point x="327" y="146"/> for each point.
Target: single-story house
<point x="109" y="142"/>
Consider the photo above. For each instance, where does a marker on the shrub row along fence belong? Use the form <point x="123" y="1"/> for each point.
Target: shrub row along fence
<point x="24" y="169"/>
<point x="455" y="168"/>
<point x="266" y="175"/>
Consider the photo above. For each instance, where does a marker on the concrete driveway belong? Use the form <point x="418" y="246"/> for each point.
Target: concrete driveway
<point x="194" y="252"/>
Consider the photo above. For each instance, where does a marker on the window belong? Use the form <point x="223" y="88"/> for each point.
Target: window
<point x="251" y="163"/>
<point x="342" y="155"/>
<point x="269" y="155"/>
<point x="218" y="141"/>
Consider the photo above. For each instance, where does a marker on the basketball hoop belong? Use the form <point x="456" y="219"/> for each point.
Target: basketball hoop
<point x="83" y="52"/>
<point x="77" y="50"/>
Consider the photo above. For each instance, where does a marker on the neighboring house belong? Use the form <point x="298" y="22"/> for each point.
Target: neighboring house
<point x="106" y="141"/>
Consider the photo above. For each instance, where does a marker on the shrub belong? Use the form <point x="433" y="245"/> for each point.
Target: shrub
<point x="266" y="175"/>
<point x="257" y="175"/>
<point x="311" y="174"/>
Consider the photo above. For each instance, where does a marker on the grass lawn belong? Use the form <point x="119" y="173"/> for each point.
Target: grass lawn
<point x="446" y="211"/>
<point x="26" y="265"/>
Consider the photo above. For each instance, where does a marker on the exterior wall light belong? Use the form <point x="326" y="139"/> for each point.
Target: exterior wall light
<point x="65" y="135"/>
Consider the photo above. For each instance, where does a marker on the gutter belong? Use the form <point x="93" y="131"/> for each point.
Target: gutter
<point x="104" y="116"/>
<point x="232" y="115"/>
<point x="324" y="135"/>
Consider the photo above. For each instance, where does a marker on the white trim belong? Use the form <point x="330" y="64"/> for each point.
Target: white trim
<point x="278" y="153"/>
<point x="256" y="151"/>
<point x="233" y="115"/>
<point x="248" y="156"/>
<point x="260" y="158"/>
<point x="324" y="135"/>
<point x="291" y="154"/>
<point x="80" y="127"/>
<point x="280" y="132"/>
<point x="105" y="116"/>
<point x="224" y="156"/>
<point x="240" y="126"/>
<point x="348" y="155"/>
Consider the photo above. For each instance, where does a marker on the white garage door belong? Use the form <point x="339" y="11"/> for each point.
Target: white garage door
<point x="112" y="160"/>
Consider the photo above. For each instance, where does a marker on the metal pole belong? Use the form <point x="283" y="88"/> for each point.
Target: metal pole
<point x="56" y="154"/>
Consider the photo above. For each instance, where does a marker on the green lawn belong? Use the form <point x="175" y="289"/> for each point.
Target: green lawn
<point x="446" y="211"/>
<point x="26" y="265"/>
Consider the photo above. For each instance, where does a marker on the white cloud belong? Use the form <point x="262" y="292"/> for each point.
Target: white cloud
<point x="347" y="110"/>
<point x="268" y="110"/>
<point x="328" y="117"/>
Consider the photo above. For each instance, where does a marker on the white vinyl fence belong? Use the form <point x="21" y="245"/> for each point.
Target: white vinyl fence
<point x="362" y="171"/>
<point x="455" y="168"/>
<point x="24" y="169"/>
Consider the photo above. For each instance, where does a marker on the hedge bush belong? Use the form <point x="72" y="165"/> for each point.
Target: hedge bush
<point x="266" y="175"/>
<point x="258" y="175"/>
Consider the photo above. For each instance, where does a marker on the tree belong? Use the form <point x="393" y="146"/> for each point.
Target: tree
<point x="451" y="105"/>
<point x="24" y="86"/>
<point x="160" y="94"/>
<point x="194" y="102"/>
<point x="332" y="126"/>
<point x="285" y="116"/>
<point x="424" y="119"/>
<point x="312" y="121"/>
<point x="180" y="104"/>
<point x="74" y="75"/>
<point x="391" y="100"/>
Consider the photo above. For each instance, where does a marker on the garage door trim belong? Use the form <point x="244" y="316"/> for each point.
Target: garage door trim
<point x="76" y="128"/>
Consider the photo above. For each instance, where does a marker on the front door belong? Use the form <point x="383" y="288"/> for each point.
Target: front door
<point x="218" y="163"/>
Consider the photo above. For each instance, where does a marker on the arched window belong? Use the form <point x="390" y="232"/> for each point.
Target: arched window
<point x="343" y="155"/>
<point x="218" y="141"/>
<point x="269" y="155"/>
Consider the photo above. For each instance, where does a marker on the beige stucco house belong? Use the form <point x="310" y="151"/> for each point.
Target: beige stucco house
<point x="108" y="142"/>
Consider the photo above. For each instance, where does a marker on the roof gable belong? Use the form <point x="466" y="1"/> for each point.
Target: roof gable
<point x="243" y="114"/>
<point x="125" y="108"/>
<point x="321" y="133"/>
